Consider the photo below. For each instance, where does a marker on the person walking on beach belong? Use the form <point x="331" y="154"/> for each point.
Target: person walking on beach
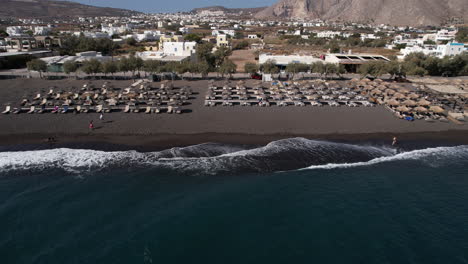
<point x="395" y="141"/>
<point x="101" y="117"/>
<point x="91" y="126"/>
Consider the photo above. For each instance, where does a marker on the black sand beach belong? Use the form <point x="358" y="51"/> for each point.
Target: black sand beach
<point x="237" y="125"/>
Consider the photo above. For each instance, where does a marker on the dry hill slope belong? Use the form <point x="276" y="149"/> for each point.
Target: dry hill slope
<point x="395" y="12"/>
<point x="49" y="8"/>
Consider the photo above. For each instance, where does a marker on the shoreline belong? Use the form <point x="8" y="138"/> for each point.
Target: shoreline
<point x="156" y="142"/>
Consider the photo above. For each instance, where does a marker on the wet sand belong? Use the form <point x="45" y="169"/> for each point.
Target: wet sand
<point x="237" y="124"/>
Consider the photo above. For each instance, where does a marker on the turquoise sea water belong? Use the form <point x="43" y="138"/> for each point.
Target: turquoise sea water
<point x="293" y="201"/>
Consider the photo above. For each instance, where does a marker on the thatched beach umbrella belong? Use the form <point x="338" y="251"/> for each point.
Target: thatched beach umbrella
<point x="420" y="109"/>
<point x="399" y="96"/>
<point x="436" y="109"/>
<point x="393" y="102"/>
<point x="376" y="91"/>
<point x="404" y="90"/>
<point x="409" y="103"/>
<point x="413" y="96"/>
<point x="424" y="102"/>
<point x="403" y="109"/>
<point x="390" y="91"/>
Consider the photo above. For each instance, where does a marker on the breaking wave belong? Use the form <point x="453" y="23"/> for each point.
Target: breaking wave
<point x="430" y="156"/>
<point x="211" y="158"/>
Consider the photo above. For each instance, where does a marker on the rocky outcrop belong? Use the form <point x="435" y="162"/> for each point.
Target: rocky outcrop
<point x="394" y="12"/>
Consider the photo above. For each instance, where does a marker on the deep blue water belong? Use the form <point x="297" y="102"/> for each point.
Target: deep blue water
<point x="235" y="206"/>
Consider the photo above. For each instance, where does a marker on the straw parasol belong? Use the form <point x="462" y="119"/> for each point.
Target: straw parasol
<point x="420" y="109"/>
<point x="390" y="91"/>
<point x="376" y="91"/>
<point x="404" y="90"/>
<point x="436" y="109"/>
<point x="393" y="102"/>
<point x="424" y="102"/>
<point x="409" y="103"/>
<point x="399" y="96"/>
<point x="413" y="96"/>
<point x="403" y="109"/>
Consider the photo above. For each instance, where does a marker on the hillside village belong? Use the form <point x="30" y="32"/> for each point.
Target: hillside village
<point x="205" y="41"/>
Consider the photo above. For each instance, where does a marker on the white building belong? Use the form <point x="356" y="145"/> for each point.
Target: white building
<point x="171" y="51"/>
<point x="332" y="34"/>
<point x="369" y="36"/>
<point x="42" y="31"/>
<point x="14" y="31"/>
<point x="230" y="32"/>
<point x="284" y="60"/>
<point x="446" y="35"/>
<point x="451" y="49"/>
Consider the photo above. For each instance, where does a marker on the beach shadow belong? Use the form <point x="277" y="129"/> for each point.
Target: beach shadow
<point x="186" y="111"/>
<point x="98" y="127"/>
<point x="108" y="122"/>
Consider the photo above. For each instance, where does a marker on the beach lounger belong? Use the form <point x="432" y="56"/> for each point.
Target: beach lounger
<point x="85" y="110"/>
<point x="99" y="109"/>
<point x="55" y="110"/>
<point x="169" y="109"/>
<point x="127" y="109"/>
<point x="78" y="109"/>
<point x="65" y="109"/>
<point x="38" y="97"/>
<point x="177" y="110"/>
<point x="32" y="110"/>
<point x="136" y="110"/>
<point x="148" y="110"/>
<point x="7" y="110"/>
<point x="16" y="111"/>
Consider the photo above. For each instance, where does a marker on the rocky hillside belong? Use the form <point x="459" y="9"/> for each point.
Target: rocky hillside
<point x="49" y="8"/>
<point x="395" y="12"/>
<point x="229" y="10"/>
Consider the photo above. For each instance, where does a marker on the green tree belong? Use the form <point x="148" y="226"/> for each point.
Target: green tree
<point x="294" y="68"/>
<point x="269" y="67"/>
<point x="91" y="66"/>
<point x="238" y="35"/>
<point x="110" y="67"/>
<point x="204" y="53"/>
<point x="69" y="67"/>
<point x="192" y="37"/>
<point x="227" y="68"/>
<point x="131" y="42"/>
<point x="203" y="68"/>
<point x="37" y="65"/>
<point x="251" y="68"/>
<point x="318" y="67"/>
<point x="241" y="45"/>
<point x="462" y="35"/>
<point x="396" y="69"/>
<point x="152" y="66"/>
<point x="373" y="69"/>
<point x="221" y="55"/>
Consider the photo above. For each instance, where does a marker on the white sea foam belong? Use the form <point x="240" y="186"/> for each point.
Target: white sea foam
<point x="430" y="156"/>
<point x="213" y="158"/>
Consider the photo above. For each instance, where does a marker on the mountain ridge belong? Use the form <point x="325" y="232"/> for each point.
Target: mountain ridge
<point x="56" y="9"/>
<point x="394" y="12"/>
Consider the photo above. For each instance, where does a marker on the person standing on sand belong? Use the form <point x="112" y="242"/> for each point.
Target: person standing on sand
<point x="101" y="117"/>
<point x="91" y="125"/>
<point x="395" y="141"/>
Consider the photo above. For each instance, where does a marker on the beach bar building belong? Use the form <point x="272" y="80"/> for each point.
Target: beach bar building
<point x="353" y="61"/>
<point x="283" y="60"/>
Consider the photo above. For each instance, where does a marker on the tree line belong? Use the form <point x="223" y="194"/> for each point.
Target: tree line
<point x="418" y="64"/>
